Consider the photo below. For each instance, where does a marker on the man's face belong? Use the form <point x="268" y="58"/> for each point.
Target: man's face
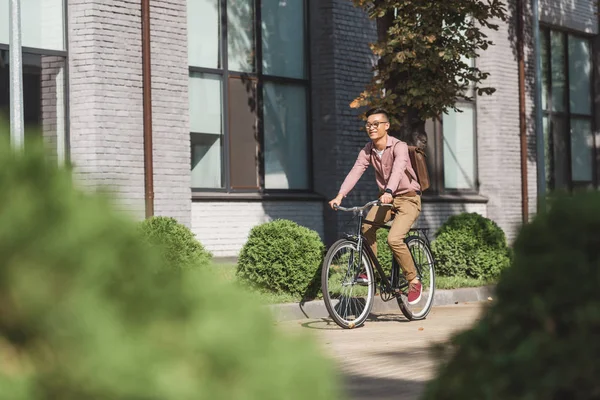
<point x="377" y="126"/>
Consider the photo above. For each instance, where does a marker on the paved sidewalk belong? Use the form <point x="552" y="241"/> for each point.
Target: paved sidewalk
<point x="388" y="358"/>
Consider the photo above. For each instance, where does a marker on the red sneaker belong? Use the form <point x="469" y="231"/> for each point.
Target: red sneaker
<point x="362" y="279"/>
<point x="414" y="293"/>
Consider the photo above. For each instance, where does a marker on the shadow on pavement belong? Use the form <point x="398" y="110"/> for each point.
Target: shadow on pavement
<point x="358" y="387"/>
<point x="328" y="324"/>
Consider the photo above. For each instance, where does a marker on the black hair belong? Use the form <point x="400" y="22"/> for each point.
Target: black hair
<point x="378" y="110"/>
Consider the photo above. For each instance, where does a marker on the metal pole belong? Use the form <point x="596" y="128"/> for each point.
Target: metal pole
<point x="539" y="132"/>
<point x="16" y="76"/>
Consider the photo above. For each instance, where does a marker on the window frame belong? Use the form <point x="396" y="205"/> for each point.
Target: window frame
<point x="546" y="30"/>
<point x="67" y="86"/>
<point x="259" y="79"/>
<point x="436" y="166"/>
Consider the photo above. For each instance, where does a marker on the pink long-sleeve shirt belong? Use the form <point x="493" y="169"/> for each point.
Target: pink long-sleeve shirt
<point x="390" y="170"/>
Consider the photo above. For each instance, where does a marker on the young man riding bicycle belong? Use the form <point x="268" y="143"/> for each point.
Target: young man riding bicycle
<point x="398" y="186"/>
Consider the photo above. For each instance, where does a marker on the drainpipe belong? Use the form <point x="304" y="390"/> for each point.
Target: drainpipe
<point x="147" y="110"/>
<point x="522" y="112"/>
<point x="539" y="134"/>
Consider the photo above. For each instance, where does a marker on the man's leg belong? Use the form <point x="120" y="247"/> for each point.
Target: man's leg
<point x="407" y="212"/>
<point x="379" y="215"/>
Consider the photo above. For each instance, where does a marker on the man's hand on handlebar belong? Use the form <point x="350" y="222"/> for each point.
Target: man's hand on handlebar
<point x="386" y="198"/>
<point x="336" y="202"/>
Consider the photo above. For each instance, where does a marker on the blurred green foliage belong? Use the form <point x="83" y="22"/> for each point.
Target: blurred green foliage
<point x="89" y="311"/>
<point x="539" y="340"/>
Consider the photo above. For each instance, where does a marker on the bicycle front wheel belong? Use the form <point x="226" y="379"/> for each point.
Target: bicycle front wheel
<point x="348" y="284"/>
<point x="424" y="263"/>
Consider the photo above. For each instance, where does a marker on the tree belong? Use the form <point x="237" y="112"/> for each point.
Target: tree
<point x="424" y="48"/>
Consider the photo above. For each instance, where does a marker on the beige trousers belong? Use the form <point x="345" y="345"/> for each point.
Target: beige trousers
<point x="407" y="211"/>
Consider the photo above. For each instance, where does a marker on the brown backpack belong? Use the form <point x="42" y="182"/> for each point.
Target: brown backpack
<point x="419" y="163"/>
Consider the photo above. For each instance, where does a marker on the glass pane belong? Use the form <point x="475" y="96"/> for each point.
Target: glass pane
<point x="205" y="103"/>
<point x="545" y="65"/>
<point x="580" y="68"/>
<point x="203" y="33"/>
<point x="285" y="141"/>
<point x="582" y="143"/>
<point x="560" y="155"/>
<point x="206" y="161"/>
<point x="240" y="35"/>
<point x="547" y="151"/>
<point x="557" y="49"/>
<point x="207" y="135"/>
<point x="243" y="136"/>
<point x="42" y="23"/>
<point x="459" y="148"/>
<point x="283" y="38"/>
<point x="44" y="105"/>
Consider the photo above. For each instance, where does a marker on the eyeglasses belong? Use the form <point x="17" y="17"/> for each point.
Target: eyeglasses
<point x="375" y="124"/>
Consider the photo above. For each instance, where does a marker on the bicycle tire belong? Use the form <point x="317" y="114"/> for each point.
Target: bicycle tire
<point x="413" y="242"/>
<point x="335" y="304"/>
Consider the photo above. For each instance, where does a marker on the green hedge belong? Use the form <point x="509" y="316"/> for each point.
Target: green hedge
<point x="281" y="257"/>
<point x="469" y="245"/>
<point x="540" y="338"/>
<point x="177" y="243"/>
<point x="88" y="311"/>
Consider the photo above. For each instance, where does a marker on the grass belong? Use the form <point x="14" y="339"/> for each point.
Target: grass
<point x="453" y="282"/>
<point x="227" y="272"/>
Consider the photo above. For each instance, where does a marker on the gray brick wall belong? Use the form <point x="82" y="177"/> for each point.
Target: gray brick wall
<point x="53" y="75"/>
<point x="341" y="67"/>
<point x="106" y="113"/>
<point x="170" y="115"/>
<point x="223" y="227"/>
<point x="578" y="15"/>
<point x="498" y="143"/>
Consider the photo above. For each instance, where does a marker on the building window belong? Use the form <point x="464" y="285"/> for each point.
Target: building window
<point x="452" y="147"/>
<point x="44" y="72"/>
<point x="248" y="92"/>
<point x="568" y="112"/>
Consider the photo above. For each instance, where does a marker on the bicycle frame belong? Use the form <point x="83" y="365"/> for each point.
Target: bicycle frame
<point x="364" y="247"/>
<point x="390" y="287"/>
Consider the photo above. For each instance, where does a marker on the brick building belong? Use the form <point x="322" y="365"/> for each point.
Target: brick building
<point x="250" y="116"/>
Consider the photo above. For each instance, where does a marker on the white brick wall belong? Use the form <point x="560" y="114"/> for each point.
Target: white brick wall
<point x="433" y="215"/>
<point x="170" y="115"/>
<point x="105" y="73"/>
<point x="106" y="105"/>
<point x="498" y="143"/>
<point x="223" y="227"/>
<point x="579" y="15"/>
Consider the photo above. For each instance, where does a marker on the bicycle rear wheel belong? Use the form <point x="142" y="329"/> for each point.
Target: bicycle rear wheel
<point x="424" y="263"/>
<point x="348" y="299"/>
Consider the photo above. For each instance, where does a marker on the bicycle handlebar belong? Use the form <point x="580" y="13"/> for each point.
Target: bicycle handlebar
<point x="354" y="209"/>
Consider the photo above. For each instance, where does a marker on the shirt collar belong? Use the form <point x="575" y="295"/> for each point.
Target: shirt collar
<point x="390" y="142"/>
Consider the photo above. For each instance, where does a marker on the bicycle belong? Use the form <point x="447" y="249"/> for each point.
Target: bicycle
<point x="351" y="256"/>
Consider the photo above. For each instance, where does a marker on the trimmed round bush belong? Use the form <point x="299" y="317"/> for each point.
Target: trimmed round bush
<point x="539" y="340"/>
<point x="384" y="253"/>
<point x="177" y="243"/>
<point x="469" y="245"/>
<point x="88" y="311"/>
<point x="281" y="257"/>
